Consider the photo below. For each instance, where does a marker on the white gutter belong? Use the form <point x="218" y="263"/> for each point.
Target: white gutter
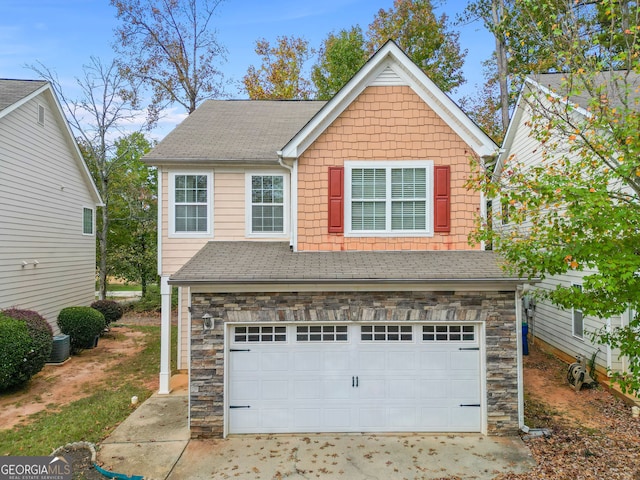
<point x="293" y="200"/>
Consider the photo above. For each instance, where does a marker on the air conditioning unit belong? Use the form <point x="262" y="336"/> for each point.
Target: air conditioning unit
<point x="61" y="348"/>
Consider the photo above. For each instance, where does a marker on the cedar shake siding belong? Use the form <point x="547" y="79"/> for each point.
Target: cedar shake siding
<point x="384" y="123"/>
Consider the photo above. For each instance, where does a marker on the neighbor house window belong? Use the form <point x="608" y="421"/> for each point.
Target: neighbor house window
<point x="389" y="198"/>
<point x="87" y="221"/>
<point x="41" y="114"/>
<point x="578" y="320"/>
<point x="190" y="203"/>
<point x="266" y="198"/>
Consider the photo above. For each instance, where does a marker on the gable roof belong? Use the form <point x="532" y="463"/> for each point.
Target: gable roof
<point x="555" y="84"/>
<point x="241" y="263"/>
<point x="15" y="93"/>
<point x="234" y="131"/>
<point x="263" y="131"/>
<point x="391" y="66"/>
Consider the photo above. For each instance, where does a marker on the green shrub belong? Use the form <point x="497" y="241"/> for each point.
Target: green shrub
<point x="152" y="301"/>
<point x="82" y="324"/>
<point x="111" y="310"/>
<point x="15" y="347"/>
<point x="41" y="335"/>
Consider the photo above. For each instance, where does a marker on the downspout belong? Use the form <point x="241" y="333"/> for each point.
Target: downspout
<point x="293" y="201"/>
<point x="521" y="423"/>
<point x="159" y="224"/>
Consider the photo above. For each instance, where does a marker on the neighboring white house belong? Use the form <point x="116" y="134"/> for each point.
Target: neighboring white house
<point x="47" y="205"/>
<point x="565" y="331"/>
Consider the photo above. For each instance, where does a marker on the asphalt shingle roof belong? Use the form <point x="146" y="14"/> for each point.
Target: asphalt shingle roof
<point x="12" y="91"/>
<point x="612" y="80"/>
<point x="235" y="131"/>
<point x="274" y="262"/>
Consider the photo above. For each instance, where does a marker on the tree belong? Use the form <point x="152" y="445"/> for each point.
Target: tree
<point x="340" y="57"/>
<point x="133" y="212"/>
<point x="108" y="103"/>
<point x="280" y="75"/>
<point x="579" y="209"/>
<point x="169" y="45"/>
<point x="427" y="40"/>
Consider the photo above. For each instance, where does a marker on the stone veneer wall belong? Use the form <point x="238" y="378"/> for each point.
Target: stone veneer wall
<point x="495" y="309"/>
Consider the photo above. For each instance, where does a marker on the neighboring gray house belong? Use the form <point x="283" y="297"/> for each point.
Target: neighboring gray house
<point x="47" y="205"/>
<point x="565" y="332"/>
<point x="325" y="281"/>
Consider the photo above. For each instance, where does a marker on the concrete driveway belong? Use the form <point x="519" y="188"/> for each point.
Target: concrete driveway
<point x="352" y="457"/>
<point x="154" y="442"/>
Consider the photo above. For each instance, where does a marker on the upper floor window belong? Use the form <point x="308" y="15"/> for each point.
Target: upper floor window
<point x="87" y="221"/>
<point x="266" y="198"/>
<point x="389" y="198"/>
<point x="190" y="203"/>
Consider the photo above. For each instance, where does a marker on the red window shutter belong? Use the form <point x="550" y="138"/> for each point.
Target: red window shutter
<point x="442" y="198"/>
<point x="336" y="199"/>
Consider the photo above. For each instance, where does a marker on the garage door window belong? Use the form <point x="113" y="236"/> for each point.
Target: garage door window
<point x="262" y="334"/>
<point x="448" y="333"/>
<point x="385" y="333"/>
<point x="321" y="333"/>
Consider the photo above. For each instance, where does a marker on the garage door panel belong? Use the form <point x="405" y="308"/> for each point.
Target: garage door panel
<point x="434" y="361"/>
<point x="432" y="389"/>
<point x="244" y="362"/>
<point x="308" y="389"/>
<point x="337" y="388"/>
<point x="371" y="418"/>
<point x="274" y="389"/>
<point x="338" y="419"/>
<point x="400" y="361"/>
<point x="436" y="418"/>
<point x="307" y="360"/>
<point x="465" y="389"/>
<point x="307" y="418"/>
<point x="404" y="418"/>
<point x="401" y="389"/>
<point x="275" y="419"/>
<point x="335" y="361"/>
<point x="463" y="417"/>
<point x="384" y="382"/>
<point x="464" y="360"/>
<point x="371" y="360"/>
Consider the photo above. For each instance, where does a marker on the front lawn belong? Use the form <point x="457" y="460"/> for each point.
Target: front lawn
<point x="93" y="417"/>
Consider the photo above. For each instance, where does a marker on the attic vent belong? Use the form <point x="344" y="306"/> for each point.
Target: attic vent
<point x="388" y="77"/>
<point x="41" y="115"/>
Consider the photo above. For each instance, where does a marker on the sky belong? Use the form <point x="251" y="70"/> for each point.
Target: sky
<point x="64" y="34"/>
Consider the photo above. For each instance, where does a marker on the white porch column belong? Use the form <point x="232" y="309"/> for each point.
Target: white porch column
<point x="165" y="336"/>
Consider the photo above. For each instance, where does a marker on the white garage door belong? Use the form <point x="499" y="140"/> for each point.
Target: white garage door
<point x="353" y="378"/>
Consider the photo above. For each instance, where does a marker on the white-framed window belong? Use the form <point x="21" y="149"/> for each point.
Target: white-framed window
<point x="267" y="204"/>
<point x="190" y="204"/>
<point x="389" y="198"/>
<point x="577" y="317"/>
<point x="41" y="115"/>
<point x="88" y="221"/>
<point x="260" y="334"/>
<point x="386" y="333"/>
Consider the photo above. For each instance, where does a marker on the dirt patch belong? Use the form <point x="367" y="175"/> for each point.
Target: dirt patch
<point x="592" y="433"/>
<point x="76" y="378"/>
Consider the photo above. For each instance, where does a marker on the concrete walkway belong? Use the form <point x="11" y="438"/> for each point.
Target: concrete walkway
<point x="154" y="442"/>
<point x="152" y="439"/>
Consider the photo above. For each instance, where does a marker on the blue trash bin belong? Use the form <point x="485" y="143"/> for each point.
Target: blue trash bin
<point x="525" y="342"/>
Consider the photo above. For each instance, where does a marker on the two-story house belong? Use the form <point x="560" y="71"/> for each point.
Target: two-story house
<point x="565" y="332"/>
<point x="48" y="205"/>
<point x="320" y="254"/>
